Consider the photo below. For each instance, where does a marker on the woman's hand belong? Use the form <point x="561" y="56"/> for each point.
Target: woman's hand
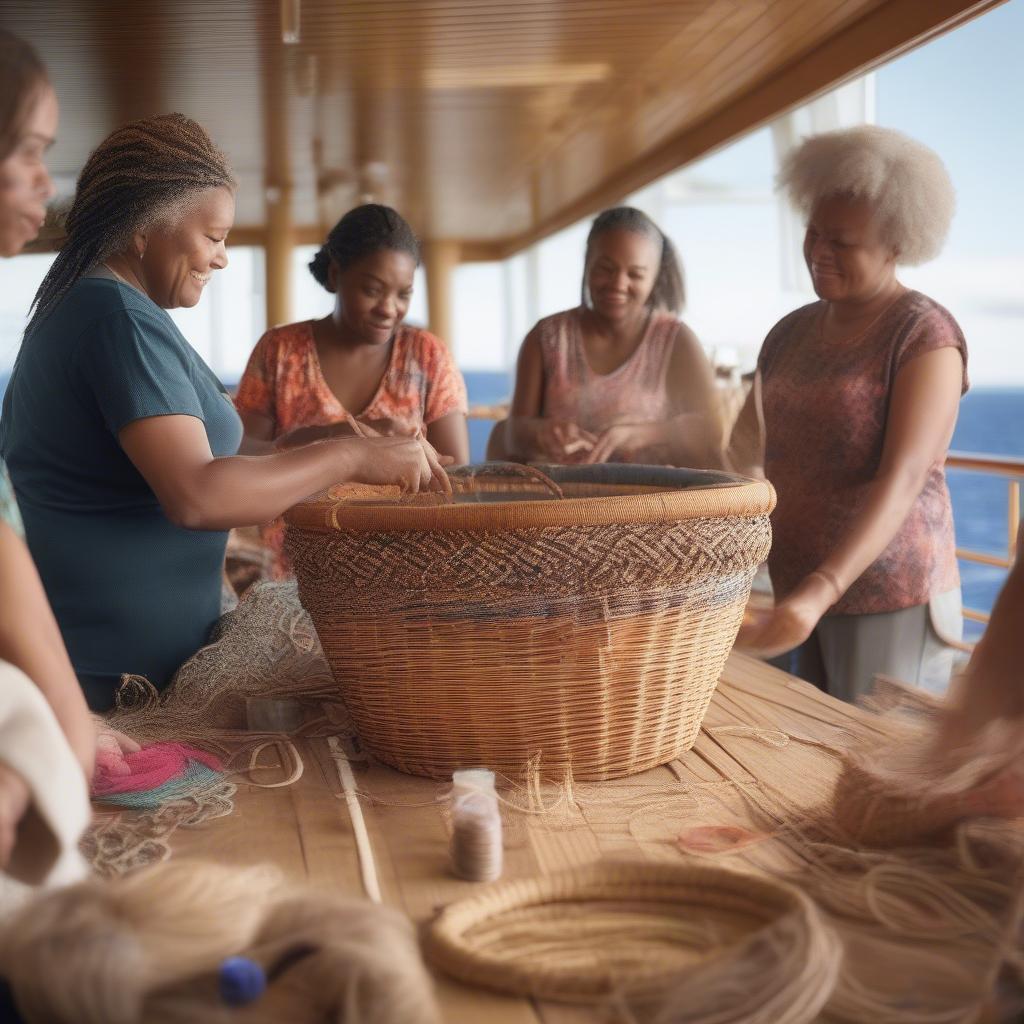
<point x="111" y="747"/>
<point x="771" y="632"/>
<point x="625" y="438"/>
<point x="558" y="439"/>
<point x="14" y="799"/>
<point x="409" y="462"/>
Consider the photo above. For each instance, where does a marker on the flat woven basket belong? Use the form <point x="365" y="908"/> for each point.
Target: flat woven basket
<point x="582" y="617"/>
<point x="687" y="942"/>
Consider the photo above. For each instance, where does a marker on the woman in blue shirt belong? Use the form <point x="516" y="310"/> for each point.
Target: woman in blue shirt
<point x="121" y="441"/>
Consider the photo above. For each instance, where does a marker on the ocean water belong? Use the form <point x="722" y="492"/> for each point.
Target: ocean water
<point x="991" y="421"/>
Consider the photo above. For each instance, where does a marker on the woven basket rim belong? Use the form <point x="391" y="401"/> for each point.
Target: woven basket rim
<point x="737" y="497"/>
<point x="769" y="899"/>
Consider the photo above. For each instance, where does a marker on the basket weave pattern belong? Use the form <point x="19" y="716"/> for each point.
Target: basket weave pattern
<point x="638" y="931"/>
<point x="595" y="646"/>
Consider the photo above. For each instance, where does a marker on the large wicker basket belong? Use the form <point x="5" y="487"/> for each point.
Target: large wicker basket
<point x="586" y="630"/>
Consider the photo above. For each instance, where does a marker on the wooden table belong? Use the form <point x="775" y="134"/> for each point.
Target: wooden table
<point x="305" y="828"/>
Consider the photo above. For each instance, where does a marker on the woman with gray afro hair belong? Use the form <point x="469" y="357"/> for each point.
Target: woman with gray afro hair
<point x="905" y="183"/>
<point x="854" y="406"/>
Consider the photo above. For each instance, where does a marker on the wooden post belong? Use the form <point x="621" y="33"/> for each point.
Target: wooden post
<point x="278" y="262"/>
<point x="440" y="258"/>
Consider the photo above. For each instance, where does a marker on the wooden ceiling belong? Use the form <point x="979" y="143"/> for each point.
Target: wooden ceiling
<point x="490" y="122"/>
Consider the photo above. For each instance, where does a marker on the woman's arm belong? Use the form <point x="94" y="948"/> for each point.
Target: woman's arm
<point x="693" y="437"/>
<point x="922" y="415"/>
<point x="201" y="492"/>
<point x="450" y="436"/>
<point x="31" y="640"/>
<point x="528" y="434"/>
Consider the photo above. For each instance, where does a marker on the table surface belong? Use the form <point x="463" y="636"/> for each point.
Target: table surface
<point x="765" y="732"/>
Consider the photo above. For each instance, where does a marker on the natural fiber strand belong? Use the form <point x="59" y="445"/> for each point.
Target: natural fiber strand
<point x="293" y="759"/>
<point x="364" y="849"/>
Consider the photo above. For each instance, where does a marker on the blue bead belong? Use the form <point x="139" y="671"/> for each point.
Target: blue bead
<point x="242" y="981"/>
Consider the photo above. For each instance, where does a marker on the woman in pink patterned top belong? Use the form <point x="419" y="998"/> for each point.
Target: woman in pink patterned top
<point x="859" y="393"/>
<point x="619" y="378"/>
<point x="308" y="381"/>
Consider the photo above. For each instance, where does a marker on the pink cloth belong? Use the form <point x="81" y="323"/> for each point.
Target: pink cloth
<point x="635" y="392"/>
<point x="147" y="768"/>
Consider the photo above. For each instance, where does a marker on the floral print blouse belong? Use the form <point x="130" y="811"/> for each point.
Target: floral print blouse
<point x="825" y="410"/>
<point x="283" y="381"/>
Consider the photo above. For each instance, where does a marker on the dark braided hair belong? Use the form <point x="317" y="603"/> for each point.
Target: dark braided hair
<point x="362" y="231"/>
<point x="22" y="78"/>
<point x="669" y="292"/>
<point x="137" y="176"/>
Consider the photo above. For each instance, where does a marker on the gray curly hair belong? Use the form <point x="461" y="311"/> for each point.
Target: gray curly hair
<point x="905" y="182"/>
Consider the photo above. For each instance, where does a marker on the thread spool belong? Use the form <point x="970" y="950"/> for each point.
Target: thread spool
<point x="476" y="848"/>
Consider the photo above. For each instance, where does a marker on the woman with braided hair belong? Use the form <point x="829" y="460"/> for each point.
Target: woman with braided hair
<point x="619" y="378"/>
<point x="121" y="441"/>
<point x="308" y="381"/>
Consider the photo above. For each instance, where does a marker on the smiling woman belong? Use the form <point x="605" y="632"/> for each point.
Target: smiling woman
<point x="312" y="380"/>
<point x="863" y="560"/>
<point x="121" y="442"/>
<point x="620" y="378"/>
<point x="28" y="127"/>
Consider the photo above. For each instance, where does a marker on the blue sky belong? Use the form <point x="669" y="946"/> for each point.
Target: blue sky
<point x="963" y="95"/>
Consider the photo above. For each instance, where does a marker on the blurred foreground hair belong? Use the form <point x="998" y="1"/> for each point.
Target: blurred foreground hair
<point x="151" y="949"/>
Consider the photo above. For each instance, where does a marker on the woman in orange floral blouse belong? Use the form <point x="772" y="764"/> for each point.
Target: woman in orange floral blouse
<point x="308" y="381"/>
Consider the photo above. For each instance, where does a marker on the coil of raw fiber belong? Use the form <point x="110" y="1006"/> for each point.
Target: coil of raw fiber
<point x="679" y="943"/>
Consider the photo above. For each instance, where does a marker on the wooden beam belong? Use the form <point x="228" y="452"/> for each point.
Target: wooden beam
<point x="886" y="32"/>
<point x="248" y="234"/>
<point x="440" y="258"/>
<point x="280" y="243"/>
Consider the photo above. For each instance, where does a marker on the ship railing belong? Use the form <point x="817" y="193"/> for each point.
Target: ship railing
<point x="1012" y="470"/>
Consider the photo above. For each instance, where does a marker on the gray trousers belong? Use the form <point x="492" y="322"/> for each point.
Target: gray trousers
<point x="845" y="652"/>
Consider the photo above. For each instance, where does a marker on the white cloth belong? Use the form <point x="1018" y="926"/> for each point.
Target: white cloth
<point x="33" y="744"/>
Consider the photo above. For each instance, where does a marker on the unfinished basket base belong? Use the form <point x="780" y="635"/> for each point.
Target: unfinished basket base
<point x="651" y="935"/>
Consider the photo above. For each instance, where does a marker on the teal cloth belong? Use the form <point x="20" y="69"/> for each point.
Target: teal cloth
<point x="9" y="513"/>
<point x="132" y="592"/>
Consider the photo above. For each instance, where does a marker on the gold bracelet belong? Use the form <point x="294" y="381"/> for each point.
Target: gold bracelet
<point x="831" y="580"/>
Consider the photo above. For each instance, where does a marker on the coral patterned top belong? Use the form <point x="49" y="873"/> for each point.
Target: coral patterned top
<point x="825" y="410"/>
<point x="283" y="381"/>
